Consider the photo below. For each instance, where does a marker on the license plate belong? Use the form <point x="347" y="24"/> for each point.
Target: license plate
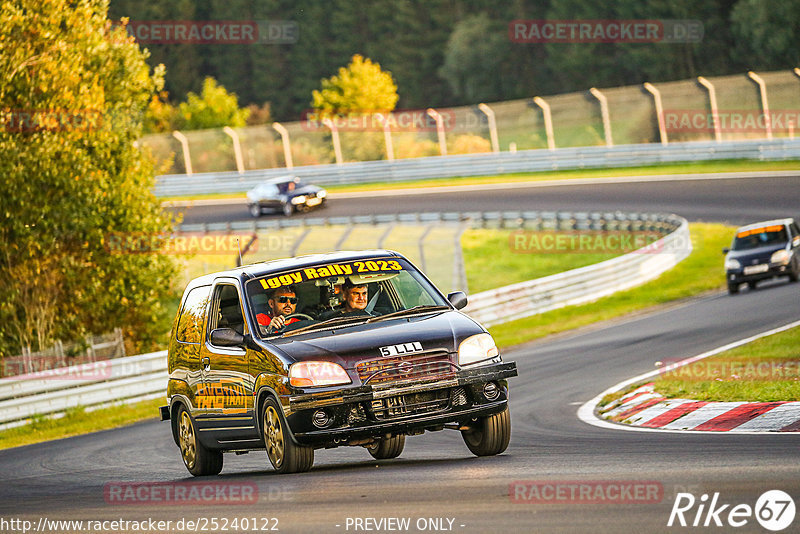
<point x="313" y="201"/>
<point x="755" y="269"/>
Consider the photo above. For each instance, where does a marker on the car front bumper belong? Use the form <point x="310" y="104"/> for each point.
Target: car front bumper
<point x="772" y="270"/>
<point x="363" y="412"/>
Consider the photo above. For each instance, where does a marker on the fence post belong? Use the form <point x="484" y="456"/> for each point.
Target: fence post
<point x="421" y="246"/>
<point x="120" y="341"/>
<point x="337" y="146"/>
<point x="662" y="130"/>
<point x="712" y="100"/>
<point x="489" y="112"/>
<point x="548" y="121"/>
<point x="287" y="144"/>
<point x="459" y="282"/>
<point x="604" y="114"/>
<point x="387" y="137"/>
<point x="435" y="115"/>
<point x="187" y="159"/>
<point x="762" y="89"/>
<point x="237" y="148"/>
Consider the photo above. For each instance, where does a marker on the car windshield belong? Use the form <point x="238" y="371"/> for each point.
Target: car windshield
<point x="760" y="237"/>
<point x="340" y="294"/>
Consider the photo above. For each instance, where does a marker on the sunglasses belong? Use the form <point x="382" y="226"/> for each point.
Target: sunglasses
<point x="284" y="300"/>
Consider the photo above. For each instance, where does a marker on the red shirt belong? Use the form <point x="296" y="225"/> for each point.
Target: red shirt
<point x="264" y="319"/>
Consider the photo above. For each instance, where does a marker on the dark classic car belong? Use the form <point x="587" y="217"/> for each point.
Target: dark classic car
<point x="366" y="352"/>
<point x="286" y="194"/>
<point x="763" y="250"/>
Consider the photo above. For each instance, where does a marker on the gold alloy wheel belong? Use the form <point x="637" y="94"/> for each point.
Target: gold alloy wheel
<point x="187" y="440"/>
<point x="273" y="437"/>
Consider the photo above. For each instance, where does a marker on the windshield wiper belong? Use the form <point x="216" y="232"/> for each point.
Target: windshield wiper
<point x="326" y="323"/>
<point x="416" y="309"/>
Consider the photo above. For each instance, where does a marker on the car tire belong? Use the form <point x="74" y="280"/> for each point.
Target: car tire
<point x="255" y="210"/>
<point x="199" y="460"/>
<point x="733" y="289"/>
<point x="288" y="209"/>
<point x="489" y="435"/>
<point x="284" y="454"/>
<point x="794" y="271"/>
<point x="752" y="285"/>
<point x="387" y="448"/>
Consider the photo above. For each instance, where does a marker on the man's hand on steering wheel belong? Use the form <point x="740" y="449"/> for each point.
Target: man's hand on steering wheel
<point x="277" y="323"/>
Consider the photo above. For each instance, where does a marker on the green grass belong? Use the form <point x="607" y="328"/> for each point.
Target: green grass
<point x="491" y="260"/>
<point x="673" y="168"/>
<point x="78" y="421"/>
<point x="699" y="273"/>
<point x="767" y="369"/>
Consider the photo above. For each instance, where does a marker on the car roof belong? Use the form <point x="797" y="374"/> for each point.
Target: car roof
<point x="773" y="222"/>
<point x="256" y="270"/>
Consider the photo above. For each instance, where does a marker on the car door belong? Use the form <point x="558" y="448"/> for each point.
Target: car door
<point x="185" y="365"/>
<point x="228" y="386"/>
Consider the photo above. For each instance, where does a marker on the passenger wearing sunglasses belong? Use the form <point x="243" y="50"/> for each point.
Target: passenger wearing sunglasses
<point x="282" y="302"/>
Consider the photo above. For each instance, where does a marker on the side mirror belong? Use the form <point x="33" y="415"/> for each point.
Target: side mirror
<point x="726" y="250"/>
<point x="226" y="337"/>
<point x="458" y="299"/>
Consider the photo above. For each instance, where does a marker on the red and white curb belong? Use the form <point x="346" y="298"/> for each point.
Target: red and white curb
<point x="643" y="407"/>
<point x="644" y="410"/>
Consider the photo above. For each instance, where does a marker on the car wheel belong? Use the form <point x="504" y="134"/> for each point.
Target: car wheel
<point x="794" y="271"/>
<point x="733" y="289"/>
<point x="489" y="435"/>
<point x="288" y="209"/>
<point x="255" y="210"/>
<point x="752" y="285"/>
<point x="284" y="454"/>
<point x="197" y="458"/>
<point x="387" y="448"/>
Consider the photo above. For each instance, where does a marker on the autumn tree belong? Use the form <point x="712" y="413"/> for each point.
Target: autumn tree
<point x="73" y="90"/>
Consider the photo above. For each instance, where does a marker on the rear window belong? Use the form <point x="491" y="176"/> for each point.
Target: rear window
<point x="190" y="322"/>
<point x="760" y="237"/>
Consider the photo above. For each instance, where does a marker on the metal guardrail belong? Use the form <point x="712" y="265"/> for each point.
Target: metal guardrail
<point x="145" y="376"/>
<point x="582" y="285"/>
<point x="93" y="385"/>
<point x="589" y="157"/>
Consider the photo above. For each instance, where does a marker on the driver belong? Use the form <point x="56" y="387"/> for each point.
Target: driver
<point x="282" y="302"/>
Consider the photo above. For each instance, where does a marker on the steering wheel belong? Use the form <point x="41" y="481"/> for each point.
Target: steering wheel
<point x="270" y="329"/>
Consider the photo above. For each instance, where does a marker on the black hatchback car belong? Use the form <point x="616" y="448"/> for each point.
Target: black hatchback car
<point x="287" y="194"/>
<point x="367" y="352"/>
<point x="763" y="250"/>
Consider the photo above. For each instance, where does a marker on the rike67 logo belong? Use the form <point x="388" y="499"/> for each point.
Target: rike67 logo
<point x="774" y="510"/>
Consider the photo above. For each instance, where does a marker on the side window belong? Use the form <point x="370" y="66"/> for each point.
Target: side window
<point x="226" y="310"/>
<point x="190" y="323"/>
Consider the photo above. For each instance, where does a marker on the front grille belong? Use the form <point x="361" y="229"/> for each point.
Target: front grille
<point x="410" y="404"/>
<point x="424" y="365"/>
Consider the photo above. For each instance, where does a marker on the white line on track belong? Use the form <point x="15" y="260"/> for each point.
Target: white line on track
<point x="586" y="412"/>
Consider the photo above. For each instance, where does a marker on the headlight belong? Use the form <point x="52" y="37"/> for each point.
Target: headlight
<point x="299" y="199"/>
<point x="477" y="348"/>
<point x="322" y="193"/>
<point x="313" y="374"/>
<point x="781" y="257"/>
<point x="732" y="264"/>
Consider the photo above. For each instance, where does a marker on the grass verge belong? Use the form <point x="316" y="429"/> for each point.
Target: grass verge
<point x="672" y="168"/>
<point x="700" y="272"/>
<point x="78" y="421"/>
<point x="765" y="370"/>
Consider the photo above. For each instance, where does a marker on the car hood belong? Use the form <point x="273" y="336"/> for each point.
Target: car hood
<point x="349" y="345"/>
<point x="761" y="254"/>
